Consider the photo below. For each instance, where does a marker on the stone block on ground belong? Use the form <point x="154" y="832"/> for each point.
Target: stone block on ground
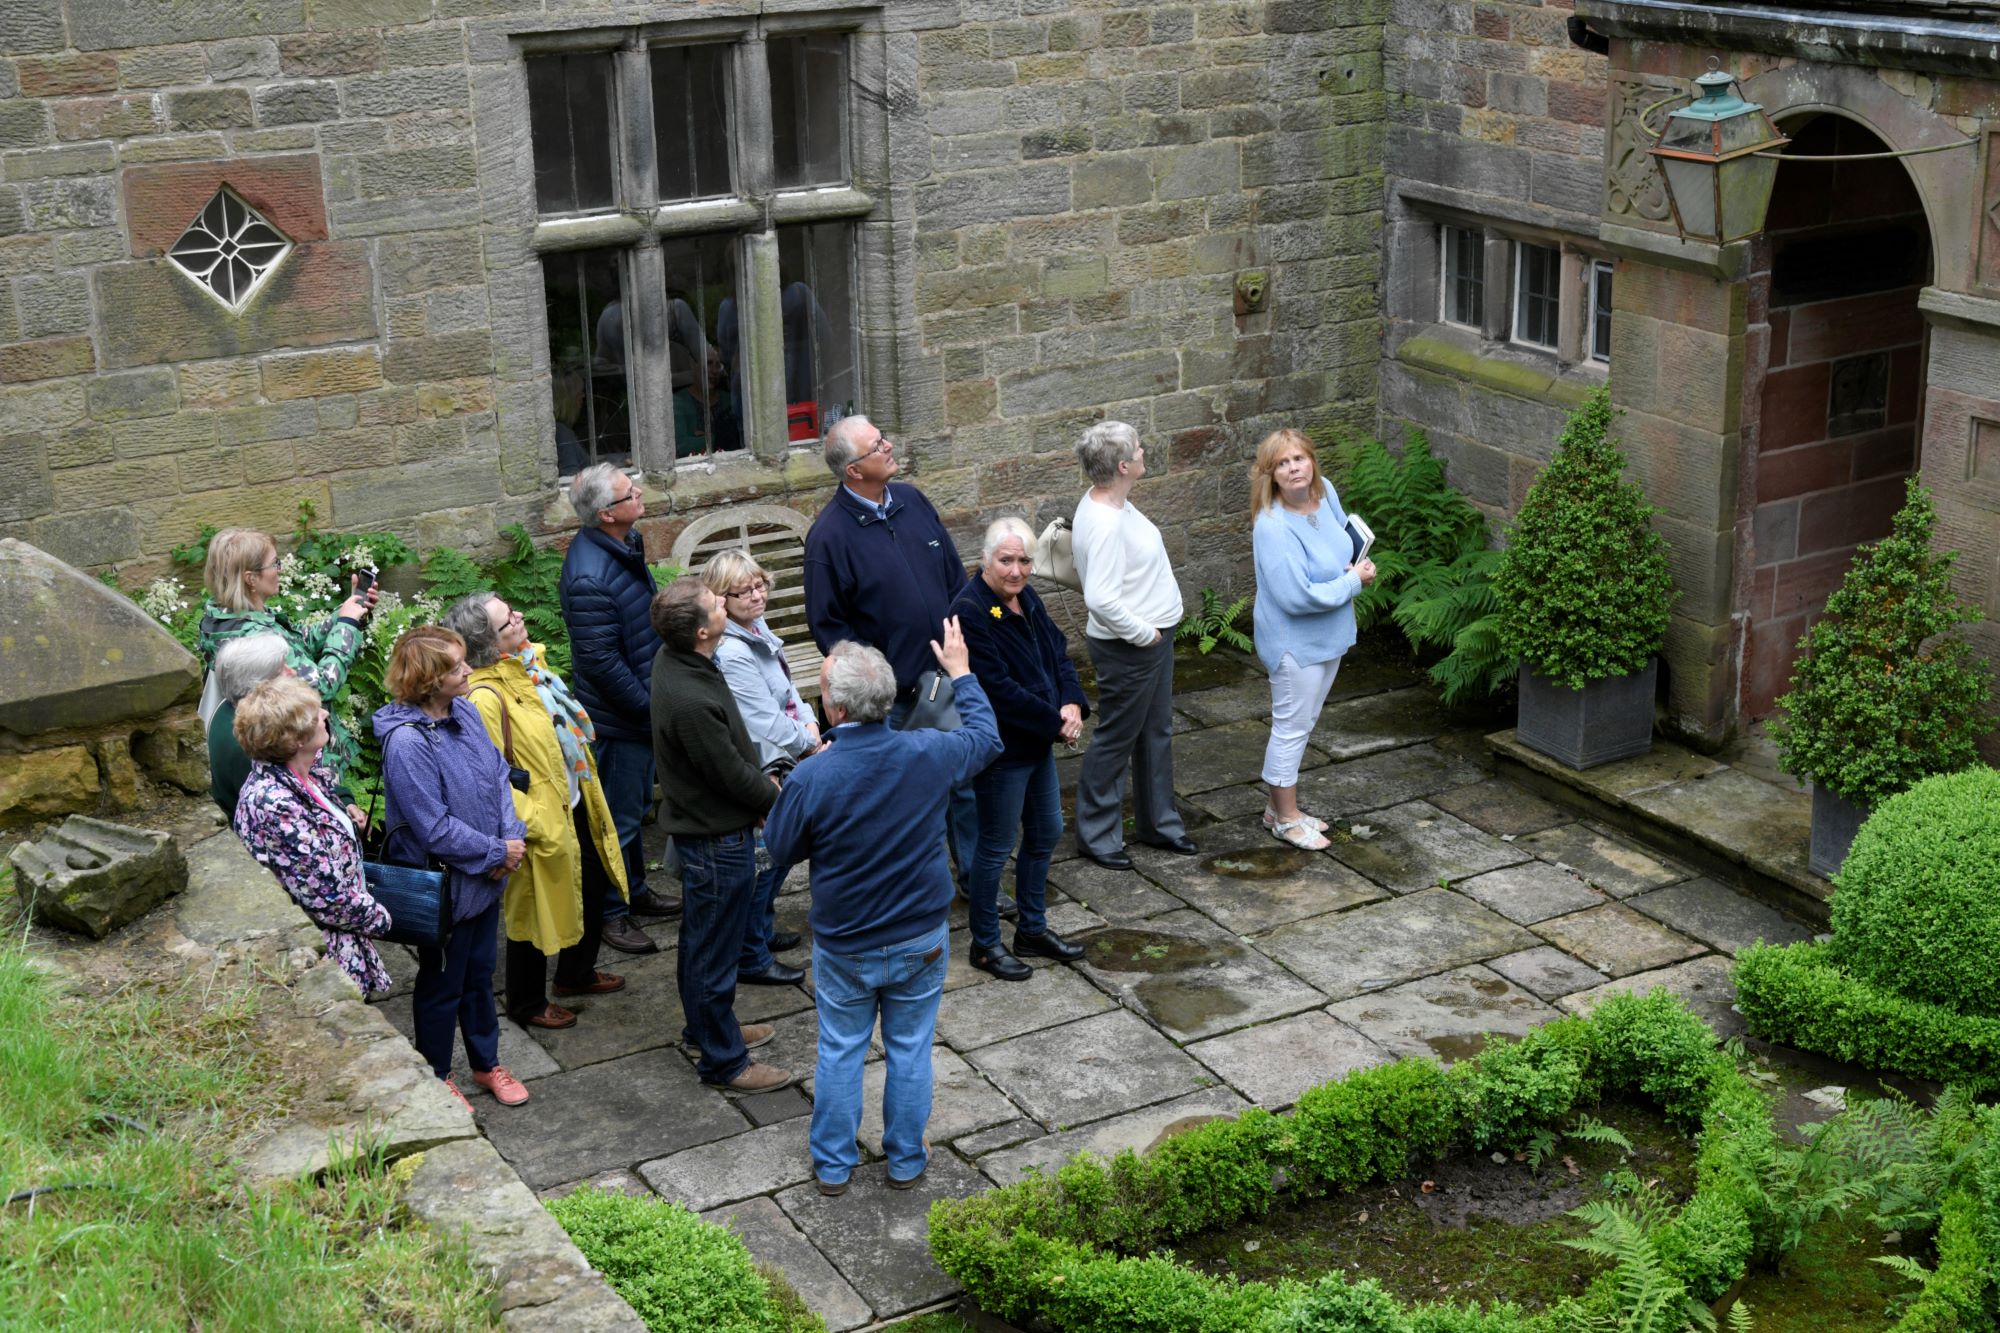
<point x="1191" y="977"/>
<point x="879" y="1238"/>
<point x="1736" y="813"/>
<point x="176" y="751"/>
<point x="1502" y="808"/>
<point x="1375" y="722"/>
<point x="1249" y="882"/>
<point x="1138" y="1130"/>
<point x="1226" y="755"/>
<point x="1275" y="1063"/>
<point x="1446" y="1017"/>
<point x="90" y="876"/>
<point x="773" y="1241"/>
<point x="981" y="1015"/>
<point x="1616" y="864"/>
<point x="1416" y="845"/>
<point x="59" y="780"/>
<point x="79" y="654"/>
<point x="1532" y="891"/>
<point x="1088" y="1070"/>
<point x="708" y="1175"/>
<point x="1703" y="982"/>
<point x="1372" y="948"/>
<point x="1547" y="972"/>
<point x="1618" y="941"/>
<point x="1380" y="780"/>
<point x="1719" y="916"/>
<point x="232" y="900"/>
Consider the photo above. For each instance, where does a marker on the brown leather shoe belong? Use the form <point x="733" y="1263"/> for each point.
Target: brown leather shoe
<point x="624" y="934"/>
<point x="756" y="1034"/>
<point x="601" y="983"/>
<point x="551" y="1016"/>
<point x="758" y="1078"/>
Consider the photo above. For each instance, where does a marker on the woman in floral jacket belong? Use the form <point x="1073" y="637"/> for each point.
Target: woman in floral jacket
<point x="289" y="818"/>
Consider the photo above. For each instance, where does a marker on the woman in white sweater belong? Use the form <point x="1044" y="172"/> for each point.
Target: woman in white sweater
<point x="1135" y="606"/>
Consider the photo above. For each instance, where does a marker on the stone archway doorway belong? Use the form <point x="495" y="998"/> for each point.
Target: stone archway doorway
<point x="1846" y="250"/>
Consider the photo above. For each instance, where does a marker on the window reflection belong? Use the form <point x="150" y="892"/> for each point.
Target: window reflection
<point x="816" y="294"/>
<point x="691" y="123"/>
<point x="587" y="359"/>
<point x="571" y="120"/>
<point x="808" y="101"/>
<point x="703" y="344"/>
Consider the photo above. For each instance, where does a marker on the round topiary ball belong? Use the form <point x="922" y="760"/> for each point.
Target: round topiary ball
<point x="1916" y="907"/>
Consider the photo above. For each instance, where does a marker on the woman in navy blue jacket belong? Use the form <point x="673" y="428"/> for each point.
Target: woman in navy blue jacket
<point x="1022" y="662"/>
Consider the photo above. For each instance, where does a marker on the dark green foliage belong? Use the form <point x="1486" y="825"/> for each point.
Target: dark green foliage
<point x="1801" y="996"/>
<point x="1918" y="906"/>
<point x="526" y="576"/>
<point x="1330" y="1305"/>
<point x="1519" y="1085"/>
<point x="679" y="1273"/>
<point x="1433" y="566"/>
<point x="1958" y="1296"/>
<point x="1215" y="623"/>
<point x="1886" y="690"/>
<point x="1583" y="584"/>
<point x="1371" y="1125"/>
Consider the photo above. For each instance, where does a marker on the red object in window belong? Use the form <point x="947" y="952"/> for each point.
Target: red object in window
<point x="803" y="419"/>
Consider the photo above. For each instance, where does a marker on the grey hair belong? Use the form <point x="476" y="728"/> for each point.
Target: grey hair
<point x="467" y="618"/>
<point x="590" y="490"/>
<point x="999" y="530"/>
<point x="241" y="665"/>
<point x="1103" y="447"/>
<point x="839" y="448"/>
<point x="859" y="681"/>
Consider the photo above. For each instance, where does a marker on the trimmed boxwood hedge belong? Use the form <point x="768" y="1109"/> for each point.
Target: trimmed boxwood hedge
<point x="1962" y="1293"/>
<point x="1079" y="1249"/>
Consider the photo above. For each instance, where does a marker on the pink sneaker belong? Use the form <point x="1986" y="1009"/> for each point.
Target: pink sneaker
<point x="452" y="1088"/>
<point x="506" y="1089"/>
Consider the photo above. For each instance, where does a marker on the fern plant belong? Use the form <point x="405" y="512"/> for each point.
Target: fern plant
<point x="1215" y="623"/>
<point x="1648" y="1299"/>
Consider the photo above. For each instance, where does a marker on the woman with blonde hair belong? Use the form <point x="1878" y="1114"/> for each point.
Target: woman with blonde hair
<point x="752" y="659"/>
<point x="241" y="573"/>
<point x="447" y="799"/>
<point x="1307" y="579"/>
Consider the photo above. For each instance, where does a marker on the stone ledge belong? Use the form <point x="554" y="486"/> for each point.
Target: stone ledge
<point x="1736" y="826"/>
<point x="1507" y="376"/>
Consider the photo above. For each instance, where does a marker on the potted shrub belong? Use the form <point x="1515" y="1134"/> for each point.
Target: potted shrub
<point x="1584" y="595"/>
<point x="1886" y="691"/>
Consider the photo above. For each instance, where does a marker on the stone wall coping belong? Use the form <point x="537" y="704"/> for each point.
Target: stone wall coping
<point x="1902" y="41"/>
<point x="1725" y="263"/>
<point x="1437" y="351"/>
<point x="1981" y="313"/>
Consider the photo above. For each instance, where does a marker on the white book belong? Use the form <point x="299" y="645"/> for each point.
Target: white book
<point x="1361" y="535"/>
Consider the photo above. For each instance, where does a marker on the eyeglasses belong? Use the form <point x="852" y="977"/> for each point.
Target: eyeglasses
<point x="265" y="569"/>
<point x="750" y="591"/>
<point x="881" y="447"/>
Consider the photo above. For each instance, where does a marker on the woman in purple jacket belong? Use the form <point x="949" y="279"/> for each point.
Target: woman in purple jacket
<point x="448" y="800"/>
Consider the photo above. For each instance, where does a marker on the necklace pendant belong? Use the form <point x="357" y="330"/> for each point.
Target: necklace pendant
<point x="1313" y="518"/>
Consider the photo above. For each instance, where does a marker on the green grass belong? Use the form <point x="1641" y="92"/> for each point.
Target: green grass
<point x="122" y="1108"/>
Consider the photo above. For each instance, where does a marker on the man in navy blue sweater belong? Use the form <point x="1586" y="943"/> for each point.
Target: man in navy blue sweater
<point x="868" y="813"/>
<point x="880" y="569"/>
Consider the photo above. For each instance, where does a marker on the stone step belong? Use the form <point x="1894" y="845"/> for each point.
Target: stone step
<point x="1734" y="824"/>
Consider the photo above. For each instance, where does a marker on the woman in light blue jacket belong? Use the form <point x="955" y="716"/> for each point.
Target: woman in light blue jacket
<point x="752" y="659"/>
<point x="1307" y="579"/>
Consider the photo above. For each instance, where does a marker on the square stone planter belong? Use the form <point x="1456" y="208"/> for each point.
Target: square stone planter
<point x="1604" y="721"/>
<point x="1835" y="821"/>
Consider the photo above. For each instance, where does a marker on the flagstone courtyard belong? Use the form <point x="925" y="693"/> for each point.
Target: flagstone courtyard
<point x="1453" y="905"/>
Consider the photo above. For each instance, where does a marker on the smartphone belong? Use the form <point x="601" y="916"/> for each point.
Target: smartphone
<point x="363" y="581"/>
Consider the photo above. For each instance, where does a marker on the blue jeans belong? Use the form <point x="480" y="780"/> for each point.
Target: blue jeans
<point x="961" y="816"/>
<point x="756" y="955"/>
<point x="902" y="982"/>
<point x="1014" y="799"/>
<point x="718" y="878"/>
<point x="455" y="986"/>
<point x="625" y="768"/>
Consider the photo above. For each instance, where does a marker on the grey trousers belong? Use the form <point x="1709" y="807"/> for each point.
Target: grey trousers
<point x="1135" y="714"/>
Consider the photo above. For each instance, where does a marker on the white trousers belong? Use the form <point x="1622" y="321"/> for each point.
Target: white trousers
<point x="1297" y="695"/>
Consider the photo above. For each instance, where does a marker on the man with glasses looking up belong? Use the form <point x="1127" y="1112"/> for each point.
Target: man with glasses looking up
<point x="607" y="593"/>
<point x="881" y="570"/>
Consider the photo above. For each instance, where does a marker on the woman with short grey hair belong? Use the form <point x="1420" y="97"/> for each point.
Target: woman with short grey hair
<point x="241" y="665"/>
<point x="1135" y="608"/>
<point x="467" y="618"/>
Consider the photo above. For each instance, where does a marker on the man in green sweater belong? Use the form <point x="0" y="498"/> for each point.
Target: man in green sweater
<point x="716" y="795"/>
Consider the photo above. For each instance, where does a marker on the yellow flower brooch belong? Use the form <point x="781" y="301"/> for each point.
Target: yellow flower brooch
<point x="995" y="611"/>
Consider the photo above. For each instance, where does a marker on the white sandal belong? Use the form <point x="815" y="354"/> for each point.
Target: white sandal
<point x="1300" y="834"/>
<point x="1313" y="822"/>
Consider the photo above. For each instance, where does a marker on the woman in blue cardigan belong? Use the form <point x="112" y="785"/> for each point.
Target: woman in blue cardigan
<point x="1022" y="662"/>
<point x="1307" y="579"/>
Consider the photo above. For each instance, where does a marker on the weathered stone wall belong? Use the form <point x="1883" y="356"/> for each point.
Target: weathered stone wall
<point x="1071" y="191"/>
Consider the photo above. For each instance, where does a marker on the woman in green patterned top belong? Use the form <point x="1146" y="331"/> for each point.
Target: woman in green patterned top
<point x="242" y="575"/>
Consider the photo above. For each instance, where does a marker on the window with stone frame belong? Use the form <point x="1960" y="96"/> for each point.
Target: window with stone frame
<point x="1462" y="276"/>
<point x="1537" y="294"/>
<point x="697" y="232"/>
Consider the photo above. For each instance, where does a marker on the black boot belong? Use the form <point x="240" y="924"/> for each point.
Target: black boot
<point x="1001" y="964"/>
<point x="1048" y="944"/>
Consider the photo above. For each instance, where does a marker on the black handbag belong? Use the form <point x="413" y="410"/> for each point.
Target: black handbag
<point x="417" y="898"/>
<point x="935" y="707"/>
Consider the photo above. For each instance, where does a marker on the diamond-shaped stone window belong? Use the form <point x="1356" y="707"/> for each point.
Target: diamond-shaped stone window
<point x="230" y="249"/>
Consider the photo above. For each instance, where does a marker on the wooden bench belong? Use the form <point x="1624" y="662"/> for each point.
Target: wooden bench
<point x="776" y="538"/>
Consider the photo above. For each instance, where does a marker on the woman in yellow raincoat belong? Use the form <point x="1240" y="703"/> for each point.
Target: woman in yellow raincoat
<point x="554" y="904"/>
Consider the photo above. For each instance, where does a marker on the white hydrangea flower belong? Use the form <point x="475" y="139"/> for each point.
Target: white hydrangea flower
<point x="162" y="598"/>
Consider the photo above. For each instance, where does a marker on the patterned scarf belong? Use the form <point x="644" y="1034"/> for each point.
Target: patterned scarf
<point x="573" y="727"/>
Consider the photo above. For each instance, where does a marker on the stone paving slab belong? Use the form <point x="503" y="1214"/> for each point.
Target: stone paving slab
<point x="1248" y="798"/>
<point x="1226" y="755"/>
<point x="1618" y="941"/>
<point x="1138" y="1130"/>
<point x="1735" y="814"/>
<point x="1703" y="982"/>
<point x="1378" y="781"/>
<point x="1416" y="845"/>
<point x="1547" y="971"/>
<point x="1446" y="1017"/>
<point x="1248" y="881"/>
<point x="1372" y="948"/>
<point x="772" y="1239"/>
<point x="1274" y="1064"/>
<point x="1008" y="1135"/>
<point x="709" y="1175"/>
<point x="1501" y="808"/>
<point x="1619" y="866"/>
<point x="878" y="1238"/>
<point x="1376" y="722"/>
<point x="962" y="1101"/>
<point x="981" y="1016"/>
<point x="1532" y="891"/>
<point x="1719" y="916"/>
<point x="1116" y="896"/>
<point x="1088" y="1070"/>
<point x="1192" y="978"/>
<point x="612" y="1114"/>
